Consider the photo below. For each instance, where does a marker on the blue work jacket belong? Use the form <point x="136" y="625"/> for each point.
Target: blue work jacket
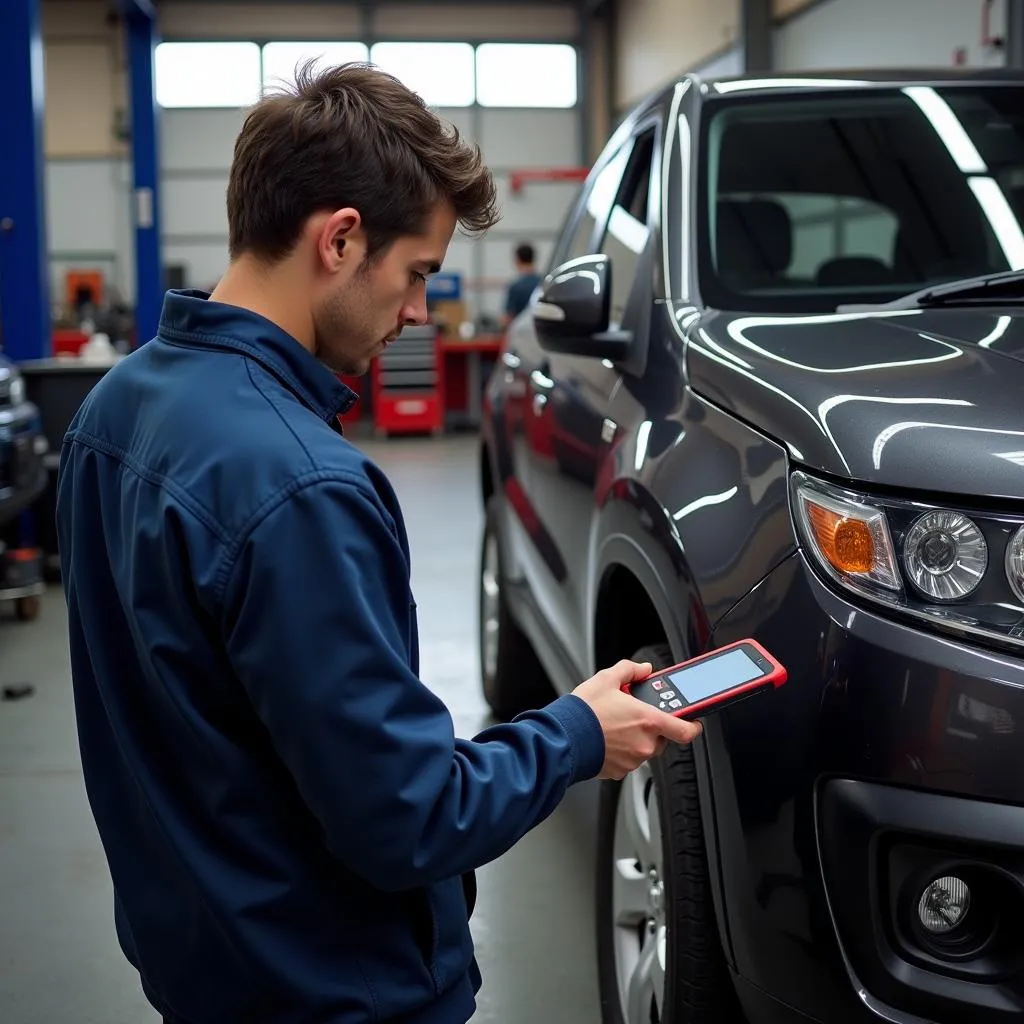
<point x="286" y="811"/>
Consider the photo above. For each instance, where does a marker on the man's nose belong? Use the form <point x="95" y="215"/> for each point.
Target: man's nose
<point x="415" y="311"/>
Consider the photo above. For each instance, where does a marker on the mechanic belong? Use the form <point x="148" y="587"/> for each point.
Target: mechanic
<point x="289" y="820"/>
<point x="517" y="297"/>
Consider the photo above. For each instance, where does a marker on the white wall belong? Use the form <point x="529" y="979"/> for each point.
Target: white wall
<point x="728" y="62"/>
<point x="887" y="33"/>
<point x="660" y="39"/>
<point x="88" y="221"/>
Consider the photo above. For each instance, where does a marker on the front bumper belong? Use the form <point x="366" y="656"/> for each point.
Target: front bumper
<point x="887" y="742"/>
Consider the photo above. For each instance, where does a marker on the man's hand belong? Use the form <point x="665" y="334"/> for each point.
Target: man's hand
<point x="634" y="732"/>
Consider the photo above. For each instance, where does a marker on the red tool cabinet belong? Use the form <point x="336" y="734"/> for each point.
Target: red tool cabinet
<point x="408" y="384"/>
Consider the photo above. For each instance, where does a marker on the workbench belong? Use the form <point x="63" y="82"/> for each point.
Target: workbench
<point x="464" y="377"/>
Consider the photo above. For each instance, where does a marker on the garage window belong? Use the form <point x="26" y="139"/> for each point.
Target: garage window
<point x="442" y="73"/>
<point x="207" y="74"/>
<point x="526" y="75"/>
<point x="281" y="59"/>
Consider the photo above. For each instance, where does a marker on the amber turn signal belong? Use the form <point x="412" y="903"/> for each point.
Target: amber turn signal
<point x="846" y="543"/>
<point x="848" y="536"/>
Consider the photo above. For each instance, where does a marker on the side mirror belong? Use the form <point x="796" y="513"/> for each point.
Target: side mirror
<point x="571" y="315"/>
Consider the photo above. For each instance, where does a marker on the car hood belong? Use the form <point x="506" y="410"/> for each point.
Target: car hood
<point x="924" y="399"/>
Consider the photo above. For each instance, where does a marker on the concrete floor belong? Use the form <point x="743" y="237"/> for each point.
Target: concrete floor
<point x="59" y="959"/>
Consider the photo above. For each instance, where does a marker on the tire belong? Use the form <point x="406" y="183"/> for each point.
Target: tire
<point x="694" y="979"/>
<point x="513" y="678"/>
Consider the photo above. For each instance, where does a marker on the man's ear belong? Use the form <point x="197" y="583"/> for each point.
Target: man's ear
<point x="341" y="241"/>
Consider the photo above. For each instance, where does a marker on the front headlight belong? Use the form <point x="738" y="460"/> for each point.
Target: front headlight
<point x="1015" y="564"/>
<point x="945" y="555"/>
<point x="961" y="569"/>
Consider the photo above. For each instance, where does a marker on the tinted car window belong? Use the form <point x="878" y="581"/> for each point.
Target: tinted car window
<point x="626" y="233"/>
<point x="812" y="202"/>
<point x="598" y="202"/>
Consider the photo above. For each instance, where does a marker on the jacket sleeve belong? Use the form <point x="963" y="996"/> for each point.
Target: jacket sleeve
<point x="317" y="625"/>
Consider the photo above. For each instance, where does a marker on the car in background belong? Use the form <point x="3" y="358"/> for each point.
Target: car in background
<point x="22" y="480"/>
<point x="22" y="445"/>
<point x="772" y="386"/>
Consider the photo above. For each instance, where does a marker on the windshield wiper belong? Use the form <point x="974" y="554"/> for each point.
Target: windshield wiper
<point x="1006" y="286"/>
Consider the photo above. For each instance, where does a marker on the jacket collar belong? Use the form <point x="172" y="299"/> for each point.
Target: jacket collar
<point x="190" y="316"/>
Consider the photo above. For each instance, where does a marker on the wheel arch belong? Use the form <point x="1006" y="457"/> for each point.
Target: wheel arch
<point x="632" y="609"/>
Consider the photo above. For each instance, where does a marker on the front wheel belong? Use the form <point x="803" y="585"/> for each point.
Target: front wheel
<point x="660" y="960"/>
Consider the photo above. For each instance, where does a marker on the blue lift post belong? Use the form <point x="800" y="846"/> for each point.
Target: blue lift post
<point x="140" y="21"/>
<point x="24" y="264"/>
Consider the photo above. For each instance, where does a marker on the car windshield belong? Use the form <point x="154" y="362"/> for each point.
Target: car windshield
<point x="816" y="201"/>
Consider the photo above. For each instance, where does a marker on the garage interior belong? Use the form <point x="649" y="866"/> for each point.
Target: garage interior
<point x="112" y="187"/>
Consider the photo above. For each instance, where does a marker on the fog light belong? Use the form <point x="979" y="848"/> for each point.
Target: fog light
<point x="943" y="905"/>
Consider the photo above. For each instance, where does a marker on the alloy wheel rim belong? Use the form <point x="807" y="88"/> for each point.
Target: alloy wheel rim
<point x="490" y="595"/>
<point x="639" y="916"/>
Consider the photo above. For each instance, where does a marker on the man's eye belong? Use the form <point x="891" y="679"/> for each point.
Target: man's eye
<point x="417" y="276"/>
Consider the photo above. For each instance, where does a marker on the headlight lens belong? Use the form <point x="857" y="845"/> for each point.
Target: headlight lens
<point x="945" y="555"/>
<point x="1015" y="563"/>
<point x="962" y="571"/>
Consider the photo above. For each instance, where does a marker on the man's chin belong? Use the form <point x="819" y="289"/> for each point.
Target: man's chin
<point x="348" y="369"/>
<point x="352" y="366"/>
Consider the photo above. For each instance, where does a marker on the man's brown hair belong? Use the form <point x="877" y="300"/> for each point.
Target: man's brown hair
<point x="353" y="136"/>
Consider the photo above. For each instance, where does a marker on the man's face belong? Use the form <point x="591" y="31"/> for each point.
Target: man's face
<point x="364" y="305"/>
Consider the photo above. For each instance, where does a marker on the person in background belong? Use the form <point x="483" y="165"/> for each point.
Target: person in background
<point x="520" y="290"/>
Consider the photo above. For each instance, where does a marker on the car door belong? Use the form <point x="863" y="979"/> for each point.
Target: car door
<point x="571" y="394"/>
<point x="525" y="389"/>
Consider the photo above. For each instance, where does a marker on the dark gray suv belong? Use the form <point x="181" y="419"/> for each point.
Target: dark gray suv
<point x="773" y="386"/>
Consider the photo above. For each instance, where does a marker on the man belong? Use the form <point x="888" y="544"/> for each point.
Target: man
<point x="527" y="279"/>
<point x="286" y="812"/>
